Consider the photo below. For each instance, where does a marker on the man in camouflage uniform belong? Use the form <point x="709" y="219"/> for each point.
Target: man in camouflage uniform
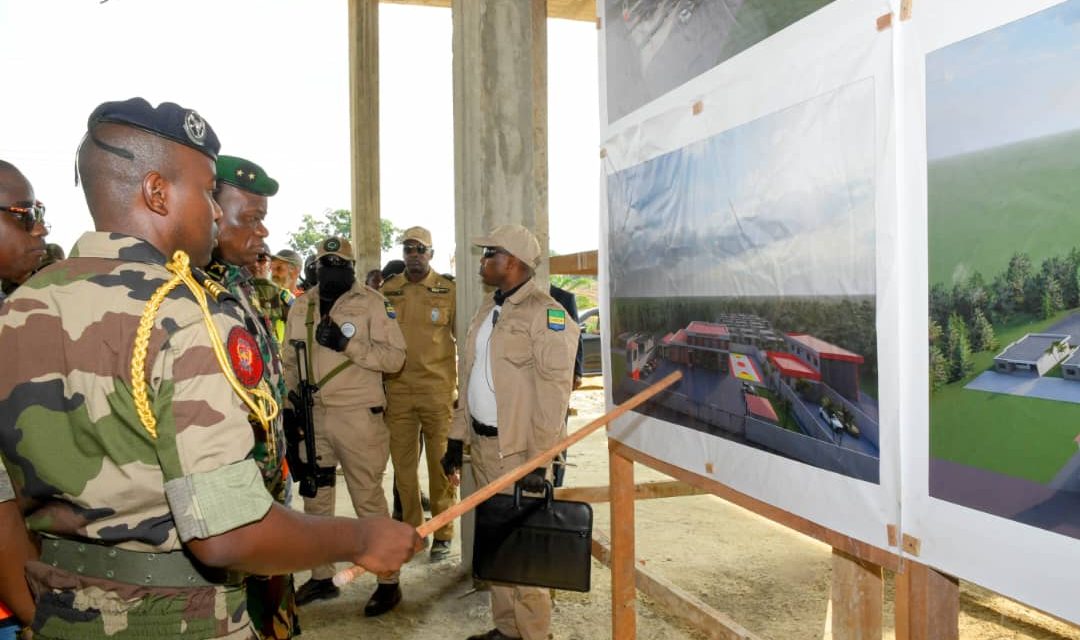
<point x="270" y="301"/>
<point x="22" y="246"/>
<point x="352" y="340"/>
<point x="125" y="402"/>
<point x="243" y="190"/>
<point x="420" y="397"/>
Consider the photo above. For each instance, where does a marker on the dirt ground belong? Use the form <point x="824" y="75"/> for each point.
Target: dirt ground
<point x="772" y="581"/>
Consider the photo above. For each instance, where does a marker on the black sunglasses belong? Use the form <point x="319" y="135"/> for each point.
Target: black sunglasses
<point x="29" y="217"/>
<point x="262" y="258"/>
<point x="491" y="252"/>
<point x="334" y="261"/>
<point x="414" y="248"/>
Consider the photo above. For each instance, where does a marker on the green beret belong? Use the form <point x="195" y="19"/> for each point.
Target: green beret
<point x="246" y="175"/>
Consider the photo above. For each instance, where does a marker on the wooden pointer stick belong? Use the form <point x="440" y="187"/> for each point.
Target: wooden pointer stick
<point x="346" y="576"/>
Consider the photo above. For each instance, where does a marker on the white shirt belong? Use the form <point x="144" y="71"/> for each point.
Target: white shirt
<point x="481" y="386"/>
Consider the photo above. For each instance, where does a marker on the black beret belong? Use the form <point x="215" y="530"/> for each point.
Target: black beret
<point x="168" y="120"/>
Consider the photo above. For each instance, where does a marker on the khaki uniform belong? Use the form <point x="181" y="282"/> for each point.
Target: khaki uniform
<point x="348" y="410"/>
<point x="420" y="397"/>
<point x="532" y="370"/>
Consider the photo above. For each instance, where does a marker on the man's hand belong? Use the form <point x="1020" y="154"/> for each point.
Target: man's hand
<point x="452" y="459"/>
<point x="329" y="335"/>
<point x="534" y="482"/>
<point x="386" y="544"/>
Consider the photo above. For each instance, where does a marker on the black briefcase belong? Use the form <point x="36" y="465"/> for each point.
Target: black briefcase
<point x="540" y="542"/>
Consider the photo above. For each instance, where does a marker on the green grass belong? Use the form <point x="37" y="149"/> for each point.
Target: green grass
<point x="1021" y="437"/>
<point x="786" y="419"/>
<point x="987" y="205"/>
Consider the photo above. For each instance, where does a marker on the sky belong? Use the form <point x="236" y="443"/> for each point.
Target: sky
<point x="764" y="209"/>
<point x="1014" y="83"/>
<point x="271" y="77"/>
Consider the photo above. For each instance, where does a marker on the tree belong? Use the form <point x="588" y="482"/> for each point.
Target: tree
<point x="960" y="361"/>
<point x="982" y="333"/>
<point x="336" y="222"/>
<point x="1052" y="300"/>
<point x="939" y="369"/>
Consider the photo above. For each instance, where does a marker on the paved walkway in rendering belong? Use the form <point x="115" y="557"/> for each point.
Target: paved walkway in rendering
<point x="1028" y="387"/>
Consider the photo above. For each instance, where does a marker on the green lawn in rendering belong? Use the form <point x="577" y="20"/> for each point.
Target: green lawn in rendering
<point x="987" y="205"/>
<point x="1025" y="438"/>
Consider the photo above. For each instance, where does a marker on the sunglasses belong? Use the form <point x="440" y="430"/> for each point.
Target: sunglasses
<point x="415" y="248"/>
<point x="491" y="252"/>
<point x="29" y="217"/>
<point x="263" y="258"/>
<point x="334" y="261"/>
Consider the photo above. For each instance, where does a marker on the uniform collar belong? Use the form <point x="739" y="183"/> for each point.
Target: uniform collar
<point x="515" y="295"/>
<point x="227" y="274"/>
<point x="116" y="246"/>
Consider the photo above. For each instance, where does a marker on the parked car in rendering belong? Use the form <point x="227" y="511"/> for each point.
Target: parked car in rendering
<point x="830" y="419"/>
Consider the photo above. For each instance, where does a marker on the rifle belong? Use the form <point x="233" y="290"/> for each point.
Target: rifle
<point x="302" y="426"/>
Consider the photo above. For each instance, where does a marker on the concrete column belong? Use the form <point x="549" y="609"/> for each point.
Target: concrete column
<point x="364" y="117"/>
<point x="500" y="130"/>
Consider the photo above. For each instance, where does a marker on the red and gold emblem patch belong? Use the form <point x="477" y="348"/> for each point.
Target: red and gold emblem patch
<point x="247" y="362"/>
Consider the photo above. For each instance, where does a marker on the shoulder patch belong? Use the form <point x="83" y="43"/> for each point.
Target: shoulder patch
<point x="244" y="356"/>
<point x="556" y="319"/>
<point x="390" y="312"/>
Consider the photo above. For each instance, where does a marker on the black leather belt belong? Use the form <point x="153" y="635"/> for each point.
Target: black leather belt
<point x="485" y="430"/>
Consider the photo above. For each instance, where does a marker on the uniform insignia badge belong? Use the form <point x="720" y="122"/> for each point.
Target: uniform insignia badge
<point x="556" y="319"/>
<point x="438" y="290"/>
<point x="332" y="245"/>
<point x="247" y="362"/>
<point x="390" y="312"/>
<point x="348" y="330"/>
<point x="434" y="314"/>
<point x="195" y="128"/>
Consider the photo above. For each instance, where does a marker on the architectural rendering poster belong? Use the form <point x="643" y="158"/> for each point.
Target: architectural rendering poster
<point x="1002" y="171"/>
<point x="743" y="249"/>
<point x="656" y="45"/>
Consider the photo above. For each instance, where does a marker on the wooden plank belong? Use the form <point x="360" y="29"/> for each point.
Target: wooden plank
<point x="927" y="604"/>
<point x="884" y="22"/>
<point x="675" y="601"/>
<point x="858" y="595"/>
<point x="905" y="10"/>
<point x="567" y="9"/>
<point x="847" y="544"/>
<point x="575" y="264"/>
<point x="623" y="596"/>
<point x="644" y="491"/>
<point x="364" y="131"/>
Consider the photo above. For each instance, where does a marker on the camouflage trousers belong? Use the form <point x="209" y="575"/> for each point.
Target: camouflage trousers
<point x="271" y="603"/>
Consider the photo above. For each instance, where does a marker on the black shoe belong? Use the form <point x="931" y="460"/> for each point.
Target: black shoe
<point x="385" y="598"/>
<point x="494" y="634"/>
<point x="316" y="590"/>
<point x="425" y="502"/>
<point x="440" y="550"/>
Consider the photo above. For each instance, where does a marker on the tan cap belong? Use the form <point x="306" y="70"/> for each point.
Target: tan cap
<point x="335" y="246"/>
<point x="516" y="239"/>
<point x="290" y="256"/>
<point x="420" y="234"/>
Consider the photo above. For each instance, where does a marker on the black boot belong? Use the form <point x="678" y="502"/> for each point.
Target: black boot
<point x="385" y="598"/>
<point x="316" y="590"/>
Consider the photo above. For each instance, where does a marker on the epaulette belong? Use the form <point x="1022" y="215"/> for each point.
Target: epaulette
<point x="212" y="286"/>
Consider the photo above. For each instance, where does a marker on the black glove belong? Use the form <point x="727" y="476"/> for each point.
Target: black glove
<point x="329" y="335"/>
<point x="534" y="482"/>
<point x="451" y="460"/>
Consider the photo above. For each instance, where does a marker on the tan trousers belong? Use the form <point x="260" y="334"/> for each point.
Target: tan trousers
<point x="360" y="441"/>
<point x="410" y="416"/>
<point x="519" y="612"/>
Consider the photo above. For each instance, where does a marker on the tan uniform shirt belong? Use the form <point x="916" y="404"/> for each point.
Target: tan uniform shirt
<point x="426" y="314"/>
<point x="532" y="352"/>
<point x="377" y="347"/>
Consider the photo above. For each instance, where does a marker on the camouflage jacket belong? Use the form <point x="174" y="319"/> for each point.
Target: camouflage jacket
<point x="238" y="281"/>
<point x="272" y="302"/>
<point x="90" y="471"/>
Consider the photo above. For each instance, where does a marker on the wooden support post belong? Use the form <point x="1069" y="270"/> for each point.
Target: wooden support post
<point x="927" y="604"/>
<point x="623" y="593"/>
<point x="857" y="596"/>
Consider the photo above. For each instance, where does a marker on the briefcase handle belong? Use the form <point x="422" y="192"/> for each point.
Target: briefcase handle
<point x="549" y="495"/>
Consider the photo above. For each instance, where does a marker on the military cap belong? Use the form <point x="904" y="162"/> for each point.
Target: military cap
<point x="167" y="120"/>
<point x="245" y="175"/>
<point x="516" y="239"/>
<point x="419" y="234"/>
<point x="290" y="256"/>
<point x="335" y="246"/>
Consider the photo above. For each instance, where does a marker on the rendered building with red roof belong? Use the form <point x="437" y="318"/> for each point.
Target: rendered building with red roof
<point x="839" y="367"/>
<point x="760" y="408"/>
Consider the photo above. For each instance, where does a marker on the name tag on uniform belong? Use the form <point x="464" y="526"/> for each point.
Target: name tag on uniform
<point x="439" y="289"/>
<point x="556" y="319"/>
